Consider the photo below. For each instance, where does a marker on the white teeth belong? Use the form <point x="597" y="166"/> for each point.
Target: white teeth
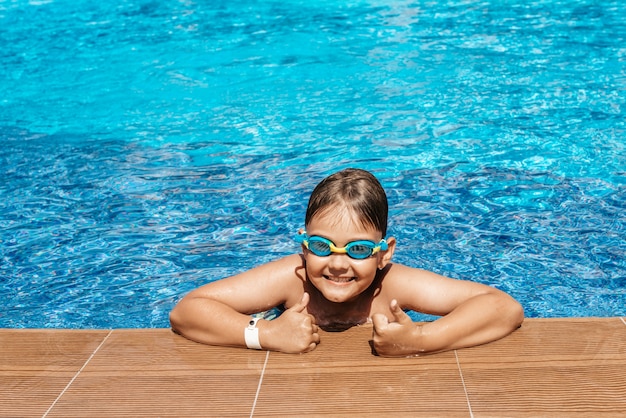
<point x="339" y="279"/>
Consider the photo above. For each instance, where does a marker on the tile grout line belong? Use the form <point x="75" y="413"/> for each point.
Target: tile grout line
<point x="76" y="375"/>
<point x="258" y="389"/>
<point x="458" y="364"/>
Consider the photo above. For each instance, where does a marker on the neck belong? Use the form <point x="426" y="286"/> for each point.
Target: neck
<point x="339" y="316"/>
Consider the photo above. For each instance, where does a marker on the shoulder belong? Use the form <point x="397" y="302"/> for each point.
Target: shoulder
<point x="274" y="283"/>
<point x="414" y="288"/>
<point x="398" y="274"/>
<point x="282" y="280"/>
<point x="429" y="292"/>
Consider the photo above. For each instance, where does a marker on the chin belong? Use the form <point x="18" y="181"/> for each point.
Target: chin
<point x="334" y="299"/>
<point x="339" y="297"/>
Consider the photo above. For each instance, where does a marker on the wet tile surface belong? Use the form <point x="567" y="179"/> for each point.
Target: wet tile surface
<point x="342" y="378"/>
<point x="557" y="367"/>
<point x="550" y="367"/>
<point x="37" y="365"/>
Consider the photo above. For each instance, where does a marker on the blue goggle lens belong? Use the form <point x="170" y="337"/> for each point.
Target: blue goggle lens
<point x="319" y="247"/>
<point x="358" y="250"/>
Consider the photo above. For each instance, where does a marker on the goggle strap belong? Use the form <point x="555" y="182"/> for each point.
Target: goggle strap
<point x="302" y="238"/>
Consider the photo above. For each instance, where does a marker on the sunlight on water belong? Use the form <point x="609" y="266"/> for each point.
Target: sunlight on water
<point x="151" y="146"/>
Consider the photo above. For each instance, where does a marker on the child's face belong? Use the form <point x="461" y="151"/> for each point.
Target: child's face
<point x="338" y="277"/>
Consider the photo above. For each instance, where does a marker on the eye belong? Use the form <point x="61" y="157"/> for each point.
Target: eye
<point x="319" y="246"/>
<point x="361" y="249"/>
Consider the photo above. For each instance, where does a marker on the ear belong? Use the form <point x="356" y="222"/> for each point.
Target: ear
<point x="384" y="257"/>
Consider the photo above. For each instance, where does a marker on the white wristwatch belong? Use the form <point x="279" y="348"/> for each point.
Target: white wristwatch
<point x="251" y="335"/>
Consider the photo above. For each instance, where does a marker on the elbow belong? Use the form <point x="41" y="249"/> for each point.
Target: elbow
<point x="176" y="320"/>
<point x="520" y="315"/>
<point x="507" y="312"/>
<point x="515" y="314"/>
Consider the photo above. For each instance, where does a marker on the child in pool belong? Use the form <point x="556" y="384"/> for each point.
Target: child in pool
<point x="344" y="277"/>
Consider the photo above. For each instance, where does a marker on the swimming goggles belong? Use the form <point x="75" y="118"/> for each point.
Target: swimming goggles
<point x="323" y="247"/>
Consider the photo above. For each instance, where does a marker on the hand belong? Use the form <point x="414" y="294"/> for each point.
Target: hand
<point x="295" y="331"/>
<point x="394" y="338"/>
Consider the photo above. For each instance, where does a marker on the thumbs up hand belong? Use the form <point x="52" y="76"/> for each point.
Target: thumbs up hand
<point x="295" y="331"/>
<point x="395" y="338"/>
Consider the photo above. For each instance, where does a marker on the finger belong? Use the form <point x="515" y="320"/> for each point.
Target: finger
<point x="300" y="306"/>
<point x="399" y="315"/>
<point x="315" y="338"/>
<point x="305" y="299"/>
<point x="379" y="321"/>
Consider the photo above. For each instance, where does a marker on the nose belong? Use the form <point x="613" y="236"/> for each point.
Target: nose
<point x="339" y="262"/>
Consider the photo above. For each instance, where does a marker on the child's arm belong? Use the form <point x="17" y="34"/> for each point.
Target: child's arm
<point x="473" y="314"/>
<point x="218" y="313"/>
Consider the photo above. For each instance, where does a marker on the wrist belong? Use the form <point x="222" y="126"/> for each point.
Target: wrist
<point x="424" y="339"/>
<point x="251" y="334"/>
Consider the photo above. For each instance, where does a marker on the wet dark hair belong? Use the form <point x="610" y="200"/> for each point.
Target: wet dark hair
<point x="356" y="189"/>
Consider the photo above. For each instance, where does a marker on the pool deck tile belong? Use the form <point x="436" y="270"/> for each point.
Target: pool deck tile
<point x="566" y="367"/>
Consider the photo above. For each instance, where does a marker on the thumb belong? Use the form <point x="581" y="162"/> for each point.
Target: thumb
<point x="399" y="315"/>
<point x="379" y="321"/>
<point x="300" y="306"/>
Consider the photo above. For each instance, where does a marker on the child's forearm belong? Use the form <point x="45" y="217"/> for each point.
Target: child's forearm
<point x="481" y="319"/>
<point x="209" y="322"/>
<point x="212" y="322"/>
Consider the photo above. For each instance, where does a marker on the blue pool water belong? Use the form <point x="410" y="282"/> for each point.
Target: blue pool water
<point x="148" y="147"/>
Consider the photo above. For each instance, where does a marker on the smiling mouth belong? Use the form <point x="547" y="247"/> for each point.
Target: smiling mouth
<point x="340" y="279"/>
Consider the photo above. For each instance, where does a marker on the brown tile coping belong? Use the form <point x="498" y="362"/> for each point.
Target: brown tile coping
<point x="565" y="367"/>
